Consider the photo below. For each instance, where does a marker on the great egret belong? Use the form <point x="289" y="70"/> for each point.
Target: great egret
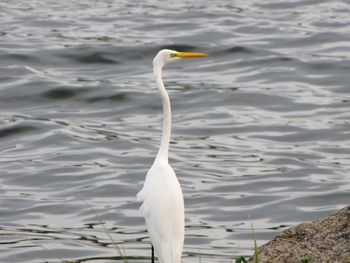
<point x="161" y="195"/>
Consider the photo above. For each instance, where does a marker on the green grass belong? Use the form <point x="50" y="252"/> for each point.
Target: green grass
<point x="256" y="256"/>
<point x="99" y="219"/>
<point x="119" y="252"/>
<point x="256" y="249"/>
<point x="307" y="260"/>
<point x="241" y="259"/>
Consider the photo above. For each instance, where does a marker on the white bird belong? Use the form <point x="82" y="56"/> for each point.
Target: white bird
<point x="161" y="196"/>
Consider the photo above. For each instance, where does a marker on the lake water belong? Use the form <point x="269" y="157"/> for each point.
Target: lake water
<point x="261" y="128"/>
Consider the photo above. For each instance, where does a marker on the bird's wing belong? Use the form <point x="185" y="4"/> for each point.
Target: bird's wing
<point x="163" y="209"/>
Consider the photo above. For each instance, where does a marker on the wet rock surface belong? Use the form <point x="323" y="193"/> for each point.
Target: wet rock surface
<point x="325" y="240"/>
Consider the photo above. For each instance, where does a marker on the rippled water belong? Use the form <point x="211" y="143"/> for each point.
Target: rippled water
<point x="261" y="128"/>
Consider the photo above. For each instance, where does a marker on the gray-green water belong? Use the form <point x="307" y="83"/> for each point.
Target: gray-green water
<point x="260" y="127"/>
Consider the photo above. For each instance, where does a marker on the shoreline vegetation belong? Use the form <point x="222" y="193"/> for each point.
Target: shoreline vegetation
<point x="324" y="240"/>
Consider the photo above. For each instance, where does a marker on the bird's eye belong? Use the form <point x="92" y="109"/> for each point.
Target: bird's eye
<point x="172" y="55"/>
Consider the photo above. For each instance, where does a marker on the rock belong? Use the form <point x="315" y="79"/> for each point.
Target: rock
<point x="326" y="240"/>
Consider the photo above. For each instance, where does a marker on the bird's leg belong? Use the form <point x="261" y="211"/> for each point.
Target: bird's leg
<point x="152" y="254"/>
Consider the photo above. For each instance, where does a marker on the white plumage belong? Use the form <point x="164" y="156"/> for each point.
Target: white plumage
<point x="161" y="196"/>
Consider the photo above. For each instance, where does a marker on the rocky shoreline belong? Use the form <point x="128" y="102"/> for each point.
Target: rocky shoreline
<point x="325" y="240"/>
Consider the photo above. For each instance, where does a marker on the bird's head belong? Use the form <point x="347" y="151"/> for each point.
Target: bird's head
<point x="166" y="56"/>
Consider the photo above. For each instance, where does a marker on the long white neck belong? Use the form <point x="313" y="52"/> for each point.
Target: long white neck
<point x="164" y="145"/>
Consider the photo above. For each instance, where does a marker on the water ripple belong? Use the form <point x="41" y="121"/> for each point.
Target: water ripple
<point x="260" y="127"/>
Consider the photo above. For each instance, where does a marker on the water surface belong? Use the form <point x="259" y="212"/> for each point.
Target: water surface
<point x="261" y="128"/>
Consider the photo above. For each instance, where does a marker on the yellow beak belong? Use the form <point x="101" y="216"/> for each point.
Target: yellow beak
<point x="190" y="55"/>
